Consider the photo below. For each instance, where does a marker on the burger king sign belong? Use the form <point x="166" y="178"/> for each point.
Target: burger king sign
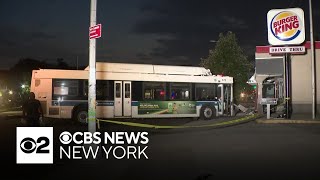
<point x="286" y="26"/>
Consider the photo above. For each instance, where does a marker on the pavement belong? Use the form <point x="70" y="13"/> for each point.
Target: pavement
<point x="294" y="119"/>
<point x="181" y="123"/>
<point x="249" y="150"/>
<point x="11" y="114"/>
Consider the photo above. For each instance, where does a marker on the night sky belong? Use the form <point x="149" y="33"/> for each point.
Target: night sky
<point x="135" y="31"/>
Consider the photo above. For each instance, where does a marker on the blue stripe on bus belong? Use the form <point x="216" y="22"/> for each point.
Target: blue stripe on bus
<point x="76" y="102"/>
<point x="105" y="103"/>
<point x="134" y="103"/>
<point x="200" y="103"/>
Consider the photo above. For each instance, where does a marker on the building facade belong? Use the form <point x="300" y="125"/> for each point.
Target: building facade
<point x="271" y="74"/>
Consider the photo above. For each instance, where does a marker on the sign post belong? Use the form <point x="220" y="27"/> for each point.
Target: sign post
<point x="286" y="27"/>
<point x="269" y="102"/>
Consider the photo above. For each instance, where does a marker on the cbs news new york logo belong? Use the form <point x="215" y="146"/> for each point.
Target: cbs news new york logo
<point x="34" y="145"/>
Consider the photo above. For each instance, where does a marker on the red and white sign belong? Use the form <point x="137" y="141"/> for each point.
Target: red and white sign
<point x="286" y="26"/>
<point x="293" y="49"/>
<point x="95" y="31"/>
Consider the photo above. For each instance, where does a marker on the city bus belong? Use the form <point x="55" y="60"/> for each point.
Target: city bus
<point x="134" y="91"/>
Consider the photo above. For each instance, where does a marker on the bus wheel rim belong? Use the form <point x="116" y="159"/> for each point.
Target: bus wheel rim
<point x="207" y="112"/>
<point x="83" y="117"/>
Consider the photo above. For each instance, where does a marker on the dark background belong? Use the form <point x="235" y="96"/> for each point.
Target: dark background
<point x="135" y="31"/>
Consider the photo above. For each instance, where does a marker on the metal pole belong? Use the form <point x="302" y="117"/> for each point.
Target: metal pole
<point x="288" y="85"/>
<point x="312" y="64"/>
<point x="289" y="77"/>
<point x="77" y="62"/>
<point x="285" y="94"/>
<point x="92" y="72"/>
<point x="231" y="100"/>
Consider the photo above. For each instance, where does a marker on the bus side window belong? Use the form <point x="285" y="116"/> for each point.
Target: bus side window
<point x="180" y="91"/>
<point x="136" y="90"/>
<point x="118" y="90"/>
<point x="65" y="89"/>
<point x="154" y="90"/>
<point x="103" y="90"/>
<point x="205" y="92"/>
<point x="85" y="88"/>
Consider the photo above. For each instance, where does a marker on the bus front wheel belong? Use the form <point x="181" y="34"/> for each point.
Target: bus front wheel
<point x="81" y="115"/>
<point x="207" y="112"/>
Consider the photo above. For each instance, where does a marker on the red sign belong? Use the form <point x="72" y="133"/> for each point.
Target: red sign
<point x="95" y="31"/>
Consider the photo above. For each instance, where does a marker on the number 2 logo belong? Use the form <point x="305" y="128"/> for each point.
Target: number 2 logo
<point x="29" y="145"/>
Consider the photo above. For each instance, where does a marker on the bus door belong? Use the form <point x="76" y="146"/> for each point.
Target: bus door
<point x="122" y="98"/>
<point x="221" y="99"/>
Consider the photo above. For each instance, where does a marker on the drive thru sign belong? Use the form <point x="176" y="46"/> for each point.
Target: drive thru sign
<point x="95" y="31"/>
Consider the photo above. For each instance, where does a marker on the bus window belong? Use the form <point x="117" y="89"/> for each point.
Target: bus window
<point x="154" y="90"/>
<point x="218" y="94"/>
<point x="127" y="90"/>
<point x="65" y="87"/>
<point x="104" y="89"/>
<point x="118" y="90"/>
<point x="180" y="91"/>
<point x="85" y="88"/>
<point x="205" y="92"/>
<point x="136" y="87"/>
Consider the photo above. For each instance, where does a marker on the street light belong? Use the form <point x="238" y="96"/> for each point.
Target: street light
<point x="10" y="92"/>
<point x="23" y="86"/>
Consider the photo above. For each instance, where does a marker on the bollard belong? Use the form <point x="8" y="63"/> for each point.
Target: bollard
<point x="268" y="111"/>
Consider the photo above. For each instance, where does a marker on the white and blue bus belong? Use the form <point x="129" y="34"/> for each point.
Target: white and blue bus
<point x="134" y="91"/>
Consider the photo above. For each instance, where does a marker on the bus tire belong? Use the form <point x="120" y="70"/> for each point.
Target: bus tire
<point x="207" y="112"/>
<point x="81" y="115"/>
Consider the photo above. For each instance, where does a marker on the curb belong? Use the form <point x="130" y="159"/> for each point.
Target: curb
<point x="11" y="114"/>
<point x="287" y="121"/>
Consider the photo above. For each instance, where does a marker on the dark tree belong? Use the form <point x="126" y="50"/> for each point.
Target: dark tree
<point x="227" y="58"/>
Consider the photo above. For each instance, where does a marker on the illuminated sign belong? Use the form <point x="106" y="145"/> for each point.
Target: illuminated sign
<point x="286" y="26"/>
<point x="293" y="49"/>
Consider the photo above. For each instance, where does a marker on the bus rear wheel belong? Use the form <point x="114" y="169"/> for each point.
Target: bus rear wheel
<point x="207" y="112"/>
<point x="81" y="115"/>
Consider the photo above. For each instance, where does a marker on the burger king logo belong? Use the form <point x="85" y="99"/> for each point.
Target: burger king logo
<point x="286" y="26"/>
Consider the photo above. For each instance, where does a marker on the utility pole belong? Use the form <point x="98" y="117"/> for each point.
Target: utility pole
<point x="312" y="64"/>
<point x="92" y="72"/>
